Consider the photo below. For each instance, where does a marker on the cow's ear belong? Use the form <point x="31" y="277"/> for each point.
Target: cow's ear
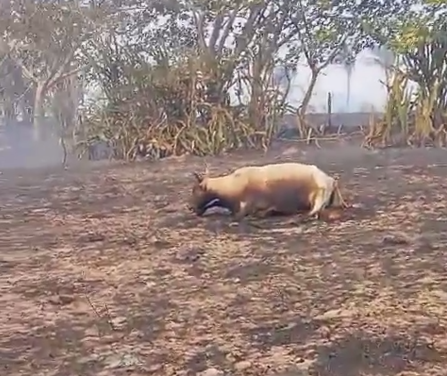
<point x="199" y="177"/>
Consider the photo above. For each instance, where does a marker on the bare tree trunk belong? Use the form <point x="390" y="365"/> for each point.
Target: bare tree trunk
<point x="72" y="104"/>
<point x="18" y="89"/>
<point x="305" y="103"/>
<point x="65" y="102"/>
<point x="39" y="111"/>
<point x="8" y="89"/>
<point x="26" y="103"/>
<point x="256" y="92"/>
<point x="9" y="110"/>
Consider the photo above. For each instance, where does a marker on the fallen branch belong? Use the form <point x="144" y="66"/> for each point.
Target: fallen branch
<point x="108" y="316"/>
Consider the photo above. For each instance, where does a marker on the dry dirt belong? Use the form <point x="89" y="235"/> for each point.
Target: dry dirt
<point x="103" y="271"/>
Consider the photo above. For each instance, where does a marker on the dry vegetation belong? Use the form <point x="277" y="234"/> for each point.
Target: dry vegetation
<point x="165" y="90"/>
<point x="415" y="117"/>
<point x="104" y="271"/>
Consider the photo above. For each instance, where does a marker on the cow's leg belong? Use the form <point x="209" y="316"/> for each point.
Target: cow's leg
<point x="327" y="194"/>
<point x="323" y="196"/>
<point x="319" y="202"/>
<point x="241" y="211"/>
<point x="264" y="213"/>
<point x="239" y="215"/>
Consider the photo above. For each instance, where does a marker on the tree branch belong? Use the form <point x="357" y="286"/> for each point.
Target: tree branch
<point x="276" y="43"/>
<point x="334" y="53"/>
<point x="216" y="32"/>
<point x="304" y="46"/>
<point x="248" y="30"/>
<point x="66" y="75"/>
<point x="8" y="51"/>
<point x="226" y="31"/>
<point x="198" y="18"/>
<point x="59" y="67"/>
<point x="28" y="72"/>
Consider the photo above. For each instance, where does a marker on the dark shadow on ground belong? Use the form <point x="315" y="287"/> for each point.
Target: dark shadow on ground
<point x="359" y="353"/>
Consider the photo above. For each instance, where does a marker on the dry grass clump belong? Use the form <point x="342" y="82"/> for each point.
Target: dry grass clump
<point x="160" y="111"/>
<point x="417" y="118"/>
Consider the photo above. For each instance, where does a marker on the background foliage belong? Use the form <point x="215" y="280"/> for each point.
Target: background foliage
<point x="163" y="71"/>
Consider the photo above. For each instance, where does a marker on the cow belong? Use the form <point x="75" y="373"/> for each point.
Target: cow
<point x="261" y="191"/>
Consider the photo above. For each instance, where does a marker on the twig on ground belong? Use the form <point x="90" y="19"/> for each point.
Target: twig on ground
<point x="307" y="140"/>
<point x="108" y="317"/>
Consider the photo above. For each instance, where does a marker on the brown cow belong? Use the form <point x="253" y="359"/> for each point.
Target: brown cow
<point x="284" y="188"/>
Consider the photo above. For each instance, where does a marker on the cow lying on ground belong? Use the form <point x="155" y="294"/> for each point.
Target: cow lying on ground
<point x="284" y="188"/>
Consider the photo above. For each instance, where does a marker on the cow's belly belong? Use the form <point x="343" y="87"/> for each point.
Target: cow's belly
<point x="289" y="200"/>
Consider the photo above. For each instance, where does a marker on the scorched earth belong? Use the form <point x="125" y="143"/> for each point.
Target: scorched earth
<point x="103" y="271"/>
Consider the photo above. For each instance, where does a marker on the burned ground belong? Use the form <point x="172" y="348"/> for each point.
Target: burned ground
<point x="103" y="271"/>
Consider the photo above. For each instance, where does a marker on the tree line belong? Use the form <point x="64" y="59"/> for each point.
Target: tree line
<point x="160" y="73"/>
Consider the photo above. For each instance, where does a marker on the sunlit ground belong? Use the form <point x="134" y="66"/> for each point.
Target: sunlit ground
<point x="102" y="271"/>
